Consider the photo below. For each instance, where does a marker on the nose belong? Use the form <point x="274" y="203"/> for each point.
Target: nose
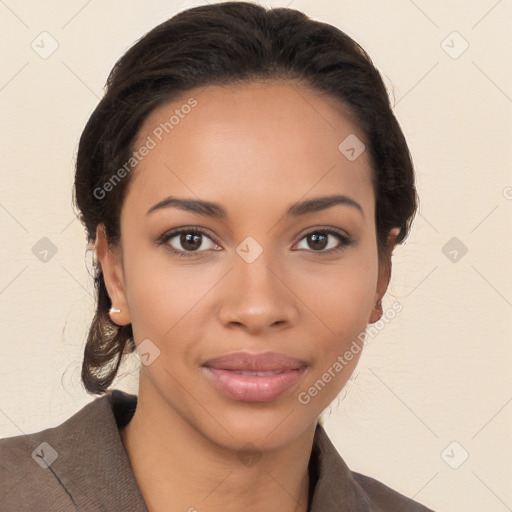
<point x="258" y="296"/>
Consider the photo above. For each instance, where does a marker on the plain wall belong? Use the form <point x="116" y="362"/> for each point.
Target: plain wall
<point x="438" y="373"/>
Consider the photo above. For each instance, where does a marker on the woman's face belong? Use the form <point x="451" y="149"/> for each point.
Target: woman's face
<point x="266" y="276"/>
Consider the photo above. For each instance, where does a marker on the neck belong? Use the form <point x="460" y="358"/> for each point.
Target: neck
<point x="187" y="471"/>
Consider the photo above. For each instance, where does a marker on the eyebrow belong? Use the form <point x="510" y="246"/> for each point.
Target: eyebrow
<point x="212" y="209"/>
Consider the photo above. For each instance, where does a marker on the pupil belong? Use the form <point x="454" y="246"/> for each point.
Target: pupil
<point x="188" y="239"/>
<point x="316" y="237"/>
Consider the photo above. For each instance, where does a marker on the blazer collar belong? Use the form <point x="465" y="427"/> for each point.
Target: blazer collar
<point x="92" y="464"/>
<point x="109" y="482"/>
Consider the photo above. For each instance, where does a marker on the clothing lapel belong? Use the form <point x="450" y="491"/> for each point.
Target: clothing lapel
<point x="92" y="464"/>
<point x="335" y="487"/>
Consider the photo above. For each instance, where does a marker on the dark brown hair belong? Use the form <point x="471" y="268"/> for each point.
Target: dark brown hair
<point x="227" y="43"/>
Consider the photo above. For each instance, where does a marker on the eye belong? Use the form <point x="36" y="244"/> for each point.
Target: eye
<point x="187" y="242"/>
<point x="191" y="242"/>
<point x="319" y="240"/>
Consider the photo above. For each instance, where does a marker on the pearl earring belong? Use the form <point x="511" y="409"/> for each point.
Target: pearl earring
<point x="114" y="310"/>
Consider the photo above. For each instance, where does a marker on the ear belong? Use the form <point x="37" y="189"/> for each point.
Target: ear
<point x="113" y="276"/>
<point x="383" y="277"/>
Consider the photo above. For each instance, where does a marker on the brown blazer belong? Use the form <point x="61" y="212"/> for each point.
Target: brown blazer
<point x="82" y="466"/>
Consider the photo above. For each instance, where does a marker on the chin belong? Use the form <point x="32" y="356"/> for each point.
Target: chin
<point x="267" y="430"/>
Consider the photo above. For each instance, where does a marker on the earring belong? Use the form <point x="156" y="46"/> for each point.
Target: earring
<point x="114" y="310"/>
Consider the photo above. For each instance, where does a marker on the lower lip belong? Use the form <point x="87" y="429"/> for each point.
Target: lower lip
<point x="254" y="388"/>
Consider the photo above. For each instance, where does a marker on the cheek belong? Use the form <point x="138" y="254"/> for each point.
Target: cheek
<point x="163" y="294"/>
<point x="341" y="294"/>
<point x="342" y="298"/>
<point x="343" y="308"/>
<point x="149" y="290"/>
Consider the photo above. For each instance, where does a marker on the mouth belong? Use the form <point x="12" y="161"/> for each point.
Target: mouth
<point x="263" y="362"/>
<point x="259" y="374"/>
<point x="254" y="377"/>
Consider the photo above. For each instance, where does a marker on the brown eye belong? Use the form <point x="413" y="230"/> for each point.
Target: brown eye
<point x="324" y="241"/>
<point x="317" y="241"/>
<point x="188" y="242"/>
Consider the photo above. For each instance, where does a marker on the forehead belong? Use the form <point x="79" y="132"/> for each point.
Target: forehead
<point x="250" y="143"/>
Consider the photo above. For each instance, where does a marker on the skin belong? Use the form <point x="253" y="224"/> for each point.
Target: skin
<point x="255" y="149"/>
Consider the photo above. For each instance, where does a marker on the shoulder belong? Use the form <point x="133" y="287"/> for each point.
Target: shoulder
<point x="27" y="481"/>
<point x="56" y="468"/>
<point x="336" y="484"/>
<point x="27" y="477"/>
<point x="387" y="499"/>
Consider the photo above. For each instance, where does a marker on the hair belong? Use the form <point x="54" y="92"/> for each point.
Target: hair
<point x="227" y="43"/>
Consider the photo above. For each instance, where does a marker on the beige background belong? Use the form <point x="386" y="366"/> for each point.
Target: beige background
<point x="436" y="374"/>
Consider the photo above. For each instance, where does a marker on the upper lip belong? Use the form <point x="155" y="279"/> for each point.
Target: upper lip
<point x="264" y="362"/>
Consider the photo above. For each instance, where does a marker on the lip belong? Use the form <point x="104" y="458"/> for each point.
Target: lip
<point x="263" y="362"/>
<point x="253" y="388"/>
<point x="222" y="372"/>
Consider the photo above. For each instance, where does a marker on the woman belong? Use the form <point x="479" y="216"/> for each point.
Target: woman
<point x="243" y="183"/>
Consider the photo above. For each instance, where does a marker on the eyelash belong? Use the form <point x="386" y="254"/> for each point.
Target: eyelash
<point x="344" y="239"/>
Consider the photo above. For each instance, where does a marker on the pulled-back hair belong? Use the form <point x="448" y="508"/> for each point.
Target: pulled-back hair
<point x="226" y="44"/>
